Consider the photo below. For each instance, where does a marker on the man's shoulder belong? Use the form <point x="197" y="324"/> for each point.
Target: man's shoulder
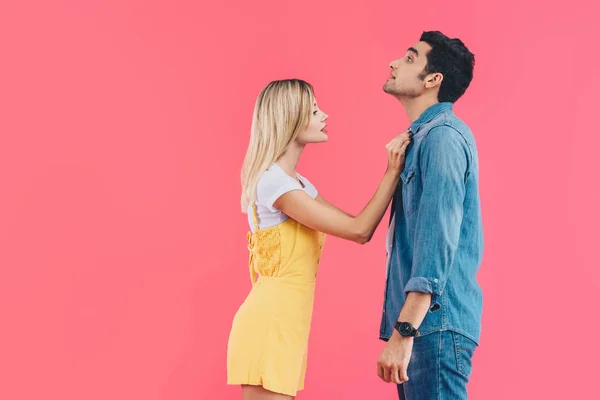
<point x="450" y="124"/>
<point x="449" y="119"/>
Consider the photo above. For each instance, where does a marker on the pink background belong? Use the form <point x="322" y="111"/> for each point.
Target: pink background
<point x="123" y="126"/>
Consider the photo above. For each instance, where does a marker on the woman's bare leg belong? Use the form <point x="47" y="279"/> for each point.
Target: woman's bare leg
<point x="259" y="393"/>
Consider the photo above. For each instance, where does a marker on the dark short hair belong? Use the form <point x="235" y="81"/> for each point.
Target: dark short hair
<point x="452" y="59"/>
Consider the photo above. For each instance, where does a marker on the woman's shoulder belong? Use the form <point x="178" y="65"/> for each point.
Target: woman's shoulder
<point x="273" y="183"/>
<point x="274" y="176"/>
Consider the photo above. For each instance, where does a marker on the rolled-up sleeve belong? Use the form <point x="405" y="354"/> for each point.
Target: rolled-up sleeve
<point x="444" y="164"/>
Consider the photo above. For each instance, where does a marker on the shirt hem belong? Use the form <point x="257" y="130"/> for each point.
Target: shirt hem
<point x="385" y="338"/>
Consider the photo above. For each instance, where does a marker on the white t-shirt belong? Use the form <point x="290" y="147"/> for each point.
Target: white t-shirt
<point x="274" y="183"/>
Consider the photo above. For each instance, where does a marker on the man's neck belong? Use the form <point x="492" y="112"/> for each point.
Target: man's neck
<point x="416" y="106"/>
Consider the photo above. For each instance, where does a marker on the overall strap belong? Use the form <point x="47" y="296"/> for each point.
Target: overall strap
<point x="253" y="274"/>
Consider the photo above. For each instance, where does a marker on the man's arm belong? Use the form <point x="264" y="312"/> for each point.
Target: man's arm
<point x="443" y="164"/>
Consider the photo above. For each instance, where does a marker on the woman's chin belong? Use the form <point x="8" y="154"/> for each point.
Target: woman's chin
<point x="323" y="138"/>
<point x="319" y="138"/>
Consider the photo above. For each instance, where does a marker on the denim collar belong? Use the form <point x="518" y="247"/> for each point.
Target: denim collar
<point x="429" y="115"/>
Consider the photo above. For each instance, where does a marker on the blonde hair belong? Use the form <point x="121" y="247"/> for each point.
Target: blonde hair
<point x="282" y="111"/>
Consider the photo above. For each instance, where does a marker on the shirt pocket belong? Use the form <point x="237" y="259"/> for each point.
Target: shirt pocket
<point x="409" y="190"/>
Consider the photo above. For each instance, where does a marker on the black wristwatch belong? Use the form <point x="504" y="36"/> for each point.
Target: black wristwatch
<point x="406" y="329"/>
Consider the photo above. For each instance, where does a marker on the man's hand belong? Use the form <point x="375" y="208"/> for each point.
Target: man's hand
<point x="394" y="358"/>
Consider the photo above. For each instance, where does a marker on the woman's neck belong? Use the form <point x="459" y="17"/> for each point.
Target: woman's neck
<point x="289" y="159"/>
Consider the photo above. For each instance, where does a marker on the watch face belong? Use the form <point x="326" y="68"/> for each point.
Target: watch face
<point x="405" y="328"/>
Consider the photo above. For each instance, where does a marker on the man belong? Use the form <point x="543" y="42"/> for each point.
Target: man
<point x="432" y="303"/>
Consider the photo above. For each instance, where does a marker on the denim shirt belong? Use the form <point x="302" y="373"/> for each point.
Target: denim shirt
<point x="436" y="233"/>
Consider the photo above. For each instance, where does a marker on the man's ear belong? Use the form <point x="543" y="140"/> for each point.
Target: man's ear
<point x="433" y="80"/>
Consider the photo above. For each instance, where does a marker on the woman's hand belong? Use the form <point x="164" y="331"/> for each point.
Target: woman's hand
<point x="396" y="150"/>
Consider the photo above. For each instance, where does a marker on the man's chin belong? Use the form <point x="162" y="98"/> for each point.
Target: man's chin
<point x="388" y="89"/>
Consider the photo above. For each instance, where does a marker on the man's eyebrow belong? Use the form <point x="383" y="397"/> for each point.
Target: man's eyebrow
<point x="413" y="50"/>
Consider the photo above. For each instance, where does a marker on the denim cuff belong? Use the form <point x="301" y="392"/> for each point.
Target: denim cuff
<point x="425" y="285"/>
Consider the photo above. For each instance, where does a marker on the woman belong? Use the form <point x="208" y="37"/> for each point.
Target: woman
<point x="288" y="219"/>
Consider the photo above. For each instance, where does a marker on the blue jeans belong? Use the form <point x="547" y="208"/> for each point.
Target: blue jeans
<point x="439" y="368"/>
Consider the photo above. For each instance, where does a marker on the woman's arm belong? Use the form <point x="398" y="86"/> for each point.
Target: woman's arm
<point x="327" y="218"/>
<point x="322" y="200"/>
